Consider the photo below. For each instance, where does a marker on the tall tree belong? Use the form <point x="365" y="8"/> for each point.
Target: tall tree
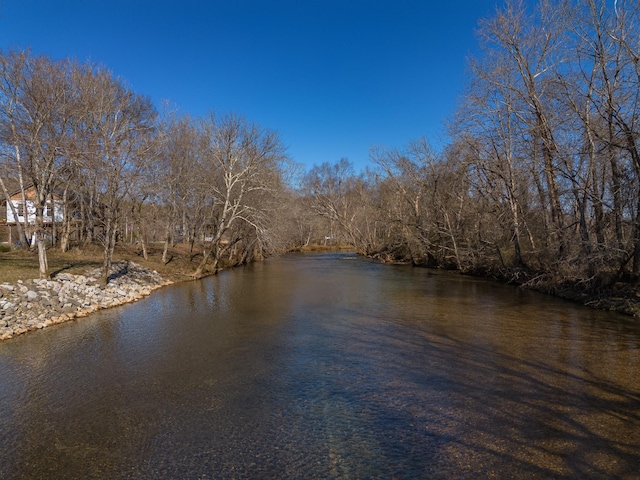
<point x="177" y="162"/>
<point x="118" y="130"/>
<point x="530" y="47"/>
<point x="240" y="172"/>
<point x="12" y="71"/>
<point x="39" y="129"/>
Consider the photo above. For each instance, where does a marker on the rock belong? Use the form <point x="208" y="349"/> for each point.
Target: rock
<point x="68" y="296"/>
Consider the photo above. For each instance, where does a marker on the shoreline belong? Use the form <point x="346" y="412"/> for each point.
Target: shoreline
<point x="621" y="297"/>
<point x="29" y="305"/>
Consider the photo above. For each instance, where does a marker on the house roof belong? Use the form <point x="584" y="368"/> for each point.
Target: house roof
<point x="29" y="193"/>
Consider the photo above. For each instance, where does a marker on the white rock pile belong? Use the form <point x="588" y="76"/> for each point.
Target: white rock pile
<point x="33" y="304"/>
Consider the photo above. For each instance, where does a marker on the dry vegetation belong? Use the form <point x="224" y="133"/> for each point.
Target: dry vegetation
<point x="23" y="265"/>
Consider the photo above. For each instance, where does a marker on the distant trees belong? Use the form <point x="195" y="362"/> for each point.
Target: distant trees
<point x="330" y="193"/>
<point x="408" y="201"/>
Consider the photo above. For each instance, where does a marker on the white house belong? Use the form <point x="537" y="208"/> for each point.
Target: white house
<point x="30" y="209"/>
<point x="51" y="213"/>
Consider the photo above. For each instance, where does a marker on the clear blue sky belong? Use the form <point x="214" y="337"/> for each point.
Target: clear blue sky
<point x="334" y="77"/>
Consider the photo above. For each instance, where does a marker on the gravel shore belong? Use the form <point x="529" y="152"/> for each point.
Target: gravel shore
<point x="34" y="304"/>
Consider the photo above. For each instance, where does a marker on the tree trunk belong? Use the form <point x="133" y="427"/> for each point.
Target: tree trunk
<point x="21" y="232"/>
<point x="517" y="260"/>
<point x="145" y="251"/>
<point x="66" y="222"/>
<point x="42" y="257"/>
<point x="43" y="264"/>
<point x="206" y="252"/>
<point x="25" y="210"/>
<point x="109" y="246"/>
<point x="167" y="242"/>
<point x="54" y="229"/>
<point x="554" y="197"/>
<point x="141" y="236"/>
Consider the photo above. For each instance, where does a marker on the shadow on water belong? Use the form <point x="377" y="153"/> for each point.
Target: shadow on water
<point x="498" y="414"/>
<point x="317" y="367"/>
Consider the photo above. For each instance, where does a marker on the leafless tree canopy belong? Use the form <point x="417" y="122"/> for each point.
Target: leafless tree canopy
<point x="543" y="170"/>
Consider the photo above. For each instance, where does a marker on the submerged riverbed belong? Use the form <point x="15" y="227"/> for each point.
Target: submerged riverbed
<point x="326" y="366"/>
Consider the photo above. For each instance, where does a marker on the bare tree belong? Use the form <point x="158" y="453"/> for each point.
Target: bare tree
<point x="530" y="48"/>
<point x="118" y="130"/>
<point x="489" y="128"/>
<point x="12" y="73"/>
<point x="176" y="163"/>
<point x="239" y="170"/>
<point x="39" y="125"/>
<point x="332" y="191"/>
<point x="611" y="118"/>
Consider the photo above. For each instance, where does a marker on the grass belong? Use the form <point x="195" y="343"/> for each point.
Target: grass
<point x="23" y="265"/>
<point x="316" y="247"/>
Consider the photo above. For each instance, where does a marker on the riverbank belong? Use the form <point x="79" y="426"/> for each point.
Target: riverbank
<point x="28" y="303"/>
<point x="34" y="303"/>
<point x="600" y="292"/>
<point x="74" y="291"/>
<point x="614" y="293"/>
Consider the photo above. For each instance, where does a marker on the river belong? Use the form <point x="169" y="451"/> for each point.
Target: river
<point x="326" y="366"/>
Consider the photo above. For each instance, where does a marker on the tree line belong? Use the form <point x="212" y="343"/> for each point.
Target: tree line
<point x="76" y="132"/>
<point x="542" y="172"/>
<point x="541" y="175"/>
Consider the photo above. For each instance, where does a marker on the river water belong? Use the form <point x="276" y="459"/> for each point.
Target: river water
<point x="326" y="366"/>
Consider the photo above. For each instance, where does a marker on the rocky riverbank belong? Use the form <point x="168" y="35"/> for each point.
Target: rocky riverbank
<point x="34" y="304"/>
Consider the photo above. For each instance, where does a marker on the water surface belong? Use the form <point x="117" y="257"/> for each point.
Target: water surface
<point x="326" y="366"/>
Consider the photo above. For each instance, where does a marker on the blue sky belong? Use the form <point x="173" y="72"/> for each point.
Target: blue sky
<point x="333" y="77"/>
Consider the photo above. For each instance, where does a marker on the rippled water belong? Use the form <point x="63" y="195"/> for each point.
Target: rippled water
<point x="326" y="366"/>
